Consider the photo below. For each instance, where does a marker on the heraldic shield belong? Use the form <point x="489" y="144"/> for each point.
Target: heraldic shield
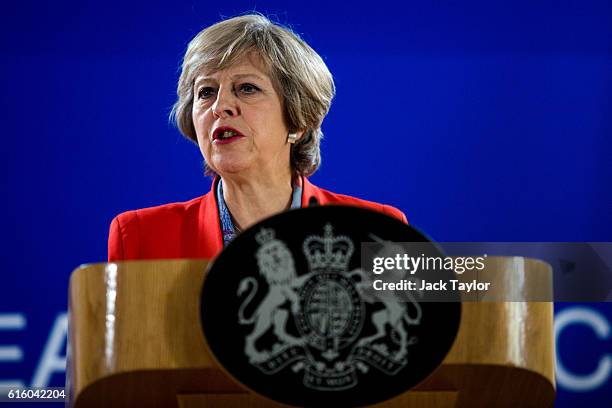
<point x="289" y="310"/>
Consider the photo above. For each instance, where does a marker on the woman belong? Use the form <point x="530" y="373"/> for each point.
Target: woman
<point x="253" y="96"/>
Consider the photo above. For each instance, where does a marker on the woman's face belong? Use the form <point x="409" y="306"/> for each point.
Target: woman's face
<point x="238" y="118"/>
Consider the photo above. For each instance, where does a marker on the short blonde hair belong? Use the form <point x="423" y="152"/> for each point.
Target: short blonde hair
<point x="299" y="75"/>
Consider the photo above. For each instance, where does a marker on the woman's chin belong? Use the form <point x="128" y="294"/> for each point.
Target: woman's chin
<point x="229" y="167"/>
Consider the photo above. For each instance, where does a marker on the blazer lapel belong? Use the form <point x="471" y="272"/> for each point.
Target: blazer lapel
<point x="210" y="238"/>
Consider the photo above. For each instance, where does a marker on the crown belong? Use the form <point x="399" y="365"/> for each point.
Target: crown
<point x="273" y="257"/>
<point x="264" y="236"/>
<point x="268" y="244"/>
<point x="328" y="251"/>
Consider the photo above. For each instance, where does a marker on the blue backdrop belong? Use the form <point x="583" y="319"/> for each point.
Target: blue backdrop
<point x="485" y="121"/>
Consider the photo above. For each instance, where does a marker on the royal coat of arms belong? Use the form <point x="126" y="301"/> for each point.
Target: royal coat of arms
<point x="327" y="306"/>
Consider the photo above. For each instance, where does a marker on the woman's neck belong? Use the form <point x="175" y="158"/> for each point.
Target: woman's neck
<point x="250" y="200"/>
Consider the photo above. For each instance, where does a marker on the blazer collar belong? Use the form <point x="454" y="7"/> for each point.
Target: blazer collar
<point x="209" y="229"/>
<point x="311" y="194"/>
<point x="210" y="237"/>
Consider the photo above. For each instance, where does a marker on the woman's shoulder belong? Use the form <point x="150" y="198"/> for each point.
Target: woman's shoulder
<point x="160" y="212"/>
<point x="326" y="197"/>
<point x="163" y="231"/>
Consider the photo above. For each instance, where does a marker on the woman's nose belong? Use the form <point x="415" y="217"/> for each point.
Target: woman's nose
<point x="226" y="104"/>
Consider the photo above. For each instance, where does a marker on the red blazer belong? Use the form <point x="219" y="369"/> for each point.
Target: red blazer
<point x="191" y="229"/>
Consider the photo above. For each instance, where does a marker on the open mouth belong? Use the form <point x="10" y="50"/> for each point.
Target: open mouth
<point x="226" y="134"/>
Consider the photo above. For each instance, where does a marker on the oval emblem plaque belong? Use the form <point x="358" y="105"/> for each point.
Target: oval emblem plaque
<point x="289" y="309"/>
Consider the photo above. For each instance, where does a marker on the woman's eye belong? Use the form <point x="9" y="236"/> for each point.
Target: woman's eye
<point x="206" y="92"/>
<point x="248" y="89"/>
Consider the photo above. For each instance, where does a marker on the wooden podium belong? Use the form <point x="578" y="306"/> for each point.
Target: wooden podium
<point x="135" y="341"/>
